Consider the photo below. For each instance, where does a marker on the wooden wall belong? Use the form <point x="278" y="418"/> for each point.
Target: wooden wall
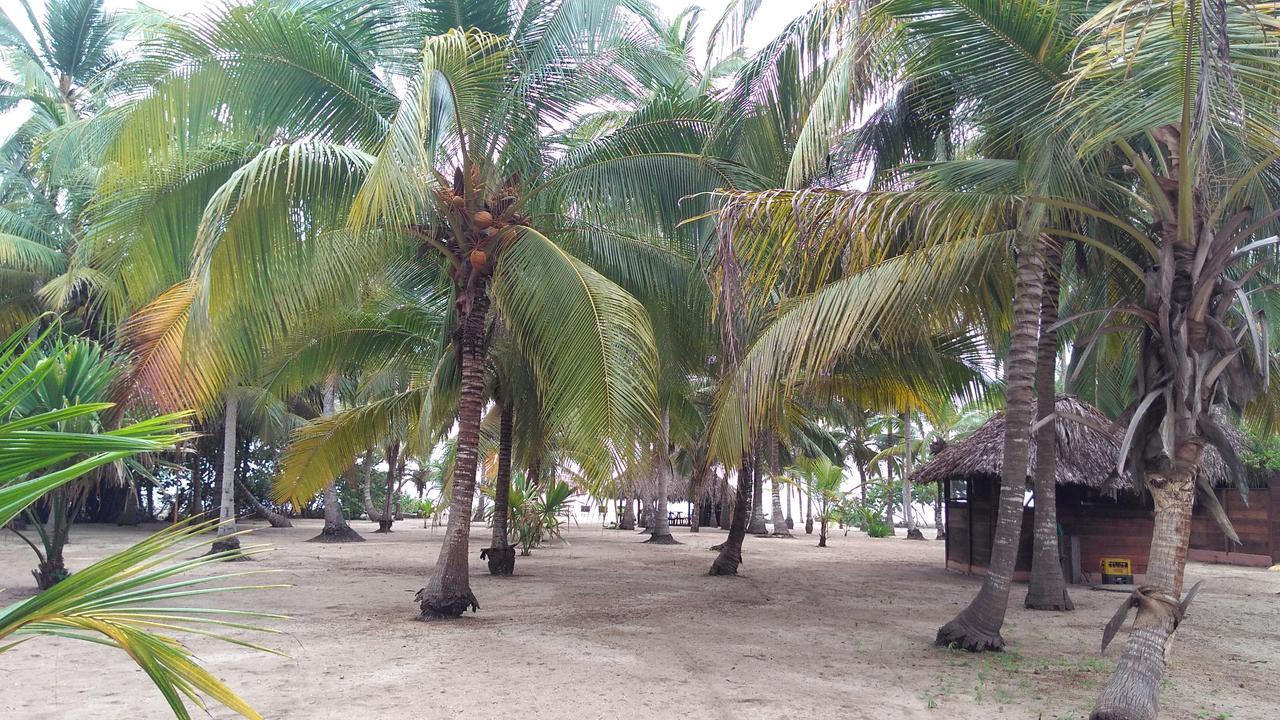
<point x="1257" y="524"/>
<point x="1114" y="529"/>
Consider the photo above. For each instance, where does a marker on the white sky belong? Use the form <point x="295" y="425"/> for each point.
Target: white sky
<point x="771" y="17"/>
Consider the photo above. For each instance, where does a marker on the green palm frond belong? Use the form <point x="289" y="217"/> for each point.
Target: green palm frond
<point x="589" y="342"/>
<point x="124" y="601"/>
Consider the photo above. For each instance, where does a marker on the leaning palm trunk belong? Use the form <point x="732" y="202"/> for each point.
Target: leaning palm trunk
<point x="448" y="591"/>
<point x="336" y="529"/>
<point x="730" y="557"/>
<point x="1048" y="588"/>
<point x="388" y="516"/>
<point x="227" y="539"/>
<point x="977" y="627"/>
<point x="500" y="553"/>
<point x="276" y="520"/>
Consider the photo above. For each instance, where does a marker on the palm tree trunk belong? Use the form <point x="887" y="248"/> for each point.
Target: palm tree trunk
<point x="822" y="531"/>
<point x="757" y="526"/>
<point x="195" y="507"/>
<point x="227" y="503"/>
<point x="730" y="557"/>
<point x="501" y="556"/>
<point x="660" y="532"/>
<point x="628" y="519"/>
<point x="448" y="591"/>
<point x="938" y="521"/>
<point x="366" y="480"/>
<point x="977" y="627"/>
<point x="790" y="523"/>
<point x="726" y="509"/>
<point x="1048" y="588"/>
<point x="336" y="529"/>
<point x="808" y="513"/>
<point x="908" y="513"/>
<point x="1134" y="690"/>
<point x="387" y="516"/>
<point x="779" y="520"/>
<point x="277" y="520"/>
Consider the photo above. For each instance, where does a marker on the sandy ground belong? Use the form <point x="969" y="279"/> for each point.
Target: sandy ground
<point x="608" y="628"/>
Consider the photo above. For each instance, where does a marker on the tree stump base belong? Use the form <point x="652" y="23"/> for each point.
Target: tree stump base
<point x="914" y="534"/>
<point x="231" y="545"/>
<point x="664" y="539"/>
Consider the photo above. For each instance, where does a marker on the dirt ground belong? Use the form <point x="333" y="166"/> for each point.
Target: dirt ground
<point x="606" y="627"/>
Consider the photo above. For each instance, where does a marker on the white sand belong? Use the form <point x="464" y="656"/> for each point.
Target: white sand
<point x="609" y="628"/>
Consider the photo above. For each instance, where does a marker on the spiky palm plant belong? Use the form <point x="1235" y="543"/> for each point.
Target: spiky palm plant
<point x="117" y="601"/>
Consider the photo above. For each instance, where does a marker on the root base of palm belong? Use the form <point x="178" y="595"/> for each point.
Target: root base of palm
<point x="446" y="606"/>
<point x="337" y="535"/>
<point x="664" y="539"/>
<point x="502" y="560"/>
<point x="959" y="635"/>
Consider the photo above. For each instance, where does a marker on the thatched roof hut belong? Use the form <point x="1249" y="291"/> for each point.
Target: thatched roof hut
<point x="1100" y="515"/>
<point x="1086" y="455"/>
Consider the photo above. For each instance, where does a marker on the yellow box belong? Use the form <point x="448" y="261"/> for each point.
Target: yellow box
<point x="1116" y="566"/>
<point x="1117" y="571"/>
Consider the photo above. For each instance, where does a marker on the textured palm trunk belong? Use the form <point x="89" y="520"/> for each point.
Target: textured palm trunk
<point x="977" y="627"/>
<point x="779" y="520"/>
<point x="628" y="519"/>
<point x="448" y="591"/>
<point x="790" y="523"/>
<point x="336" y="529"/>
<point x="227" y="502"/>
<point x="938" y="521"/>
<point x="757" y="524"/>
<point x="726" y="502"/>
<point x="808" y="513"/>
<point x="196" y="507"/>
<point x="366" y="495"/>
<point x="500" y="554"/>
<point x="387" y="516"/>
<point x="908" y="512"/>
<point x="1048" y="588"/>
<point x="822" y="531"/>
<point x="1134" y="690"/>
<point x="730" y="556"/>
<point x="660" y="532"/>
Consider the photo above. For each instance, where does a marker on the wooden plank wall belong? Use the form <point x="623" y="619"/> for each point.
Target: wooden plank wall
<point x="1255" y="523"/>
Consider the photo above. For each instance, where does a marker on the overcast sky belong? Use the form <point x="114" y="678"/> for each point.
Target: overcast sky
<point x="773" y="14"/>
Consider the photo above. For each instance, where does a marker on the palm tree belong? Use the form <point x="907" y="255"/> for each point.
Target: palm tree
<point x="822" y="480"/>
<point x="72" y="372"/>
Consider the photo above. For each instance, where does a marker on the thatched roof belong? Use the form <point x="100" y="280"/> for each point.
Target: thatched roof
<point x="1086" y="456"/>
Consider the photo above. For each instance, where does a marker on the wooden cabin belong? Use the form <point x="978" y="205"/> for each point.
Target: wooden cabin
<point x="1100" y="514"/>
